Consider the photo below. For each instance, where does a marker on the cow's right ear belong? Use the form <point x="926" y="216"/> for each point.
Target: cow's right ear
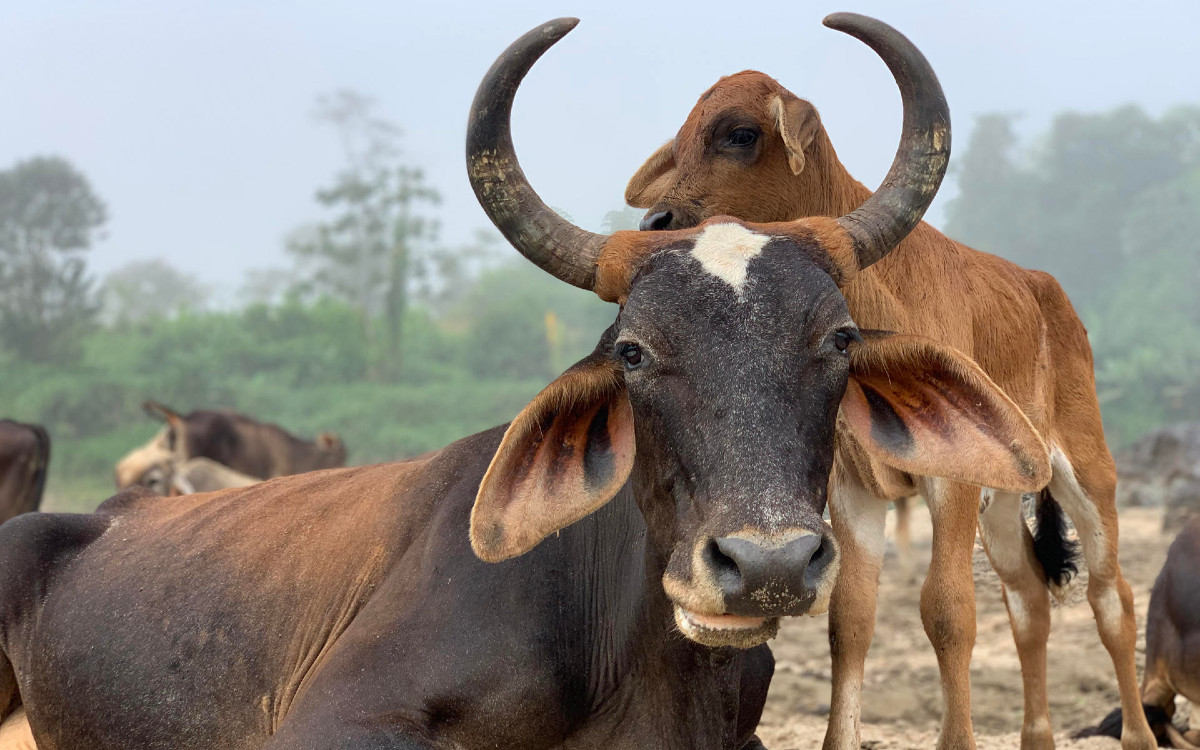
<point x="798" y="124"/>
<point x="650" y="182"/>
<point x="565" y="455"/>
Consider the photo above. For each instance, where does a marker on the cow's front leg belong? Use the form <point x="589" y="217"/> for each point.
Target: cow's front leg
<point x="948" y="603"/>
<point x="858" y="520"/>
<point x="336" y="735"/>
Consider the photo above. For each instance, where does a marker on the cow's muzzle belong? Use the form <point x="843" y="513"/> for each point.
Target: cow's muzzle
<point x="743" y="583"/>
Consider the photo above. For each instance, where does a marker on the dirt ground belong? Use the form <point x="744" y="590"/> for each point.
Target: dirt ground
<point x="902" y="696"/>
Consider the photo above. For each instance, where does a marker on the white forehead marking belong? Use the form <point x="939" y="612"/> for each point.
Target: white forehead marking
<point x="724" y="250"/>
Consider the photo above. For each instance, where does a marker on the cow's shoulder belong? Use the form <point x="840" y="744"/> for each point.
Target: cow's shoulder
<point x="35" y="548"/>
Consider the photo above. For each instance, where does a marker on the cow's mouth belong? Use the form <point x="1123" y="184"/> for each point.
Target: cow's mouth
<point x="725" y="630"/>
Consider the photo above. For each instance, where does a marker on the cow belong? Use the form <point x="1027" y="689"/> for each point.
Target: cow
<point x="1172" y="645"/>
<point x="245" y="445"/>
<point x="24" y="459"/>
<point x="172" y="477"/>
<point x="602" y="572"/>
<point x="754" y="150"/>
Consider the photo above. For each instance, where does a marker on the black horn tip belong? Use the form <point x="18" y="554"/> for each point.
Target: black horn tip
<point x="848" y="21"/>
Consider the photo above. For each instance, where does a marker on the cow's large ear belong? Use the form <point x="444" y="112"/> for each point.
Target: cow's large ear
<point x="565" y="455"/>
<point x="650" y="182"/>
<point x="798" y="124"/>
<point x="930" y="410"/>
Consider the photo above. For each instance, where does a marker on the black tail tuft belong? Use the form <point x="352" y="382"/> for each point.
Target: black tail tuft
<point x="1051" y="546"/>
<point x="1111" y="726"/>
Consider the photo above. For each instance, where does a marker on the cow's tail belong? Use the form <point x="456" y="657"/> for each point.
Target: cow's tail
<point x="1111" y="725"/>
<point x="1055" y="550"/>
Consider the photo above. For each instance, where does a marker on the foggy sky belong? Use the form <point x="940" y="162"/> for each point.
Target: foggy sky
<point x="193" y="119"/>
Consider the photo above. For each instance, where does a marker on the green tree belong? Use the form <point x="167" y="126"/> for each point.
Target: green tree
<point x="49" y="216"/>
<point x="145" y="290"/>
<point x="1109" y="204"/>
<point x="377" y="238"/>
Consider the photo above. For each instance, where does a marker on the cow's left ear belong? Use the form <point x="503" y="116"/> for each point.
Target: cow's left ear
<point x="650" y="182"/>
<point x="565" y="455"/>
<point x="930" y="410"/>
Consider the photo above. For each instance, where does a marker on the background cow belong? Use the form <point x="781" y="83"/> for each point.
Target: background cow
<point x="174" y="477"/>
<point x="256" y="449"/>
<point x="754" y="150"/>
<point x="24" y="459"/>
<point x="1172" y="644"/>
<point x="673" y="481"/>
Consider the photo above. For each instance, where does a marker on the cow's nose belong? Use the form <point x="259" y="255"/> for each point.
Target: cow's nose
<point x="655" y="221"/>
<point x="771" y="579"/>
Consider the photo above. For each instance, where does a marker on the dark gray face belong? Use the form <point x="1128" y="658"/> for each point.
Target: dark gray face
<point x="735" y="363"/>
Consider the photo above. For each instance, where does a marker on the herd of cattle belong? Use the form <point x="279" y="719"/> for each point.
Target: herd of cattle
<point x="605" y="571"/>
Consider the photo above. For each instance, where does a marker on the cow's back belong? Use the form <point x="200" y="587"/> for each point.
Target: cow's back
<point x="222" y="601"/>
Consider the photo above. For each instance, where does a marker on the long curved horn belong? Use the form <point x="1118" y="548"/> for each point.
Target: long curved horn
<point x="556" y="245"/>
<point x="896" y="208"/>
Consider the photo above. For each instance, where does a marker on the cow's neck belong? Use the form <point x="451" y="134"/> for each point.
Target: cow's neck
<point x="824" y="187"/>
<point x="636" y="660"/>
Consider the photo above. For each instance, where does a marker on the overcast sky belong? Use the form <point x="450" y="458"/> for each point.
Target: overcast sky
<point x="193" y="119"/>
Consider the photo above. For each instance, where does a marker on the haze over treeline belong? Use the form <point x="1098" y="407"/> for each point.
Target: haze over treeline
<point x="380" y="305"/>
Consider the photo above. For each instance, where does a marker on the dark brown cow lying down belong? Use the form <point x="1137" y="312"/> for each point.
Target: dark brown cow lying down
<point x="1172" y="645"/>
<point x="247" y="446"/>
<point x="24" y="458"/>
<point x="646" y="520"/>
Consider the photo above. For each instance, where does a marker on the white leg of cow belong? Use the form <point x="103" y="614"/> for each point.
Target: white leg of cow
<point x="859" y="521"/>
<point x="1009" y="546"/>
<point x="948" y="603"/>
<point x="1089" y="498"/>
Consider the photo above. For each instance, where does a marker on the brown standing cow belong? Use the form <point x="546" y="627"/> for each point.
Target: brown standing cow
<point x="754" y="150"/>
<point x="24" y="458"/>
<point x="256" y="449"/>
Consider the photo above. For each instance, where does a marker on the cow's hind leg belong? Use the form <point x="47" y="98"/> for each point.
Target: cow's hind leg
<point x="1084" y="482"/>
<point x="948" y="603"/>
<point x="859" y="520"/>
<point x="1009" y="546"/>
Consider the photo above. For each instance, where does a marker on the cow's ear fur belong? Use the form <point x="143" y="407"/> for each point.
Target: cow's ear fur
<point x="798" y="123"/>
<point x="565" y="455"/>
<point x="930" y="410"/>
<point x="650" y="182"/>
<point x="176" y="435"/>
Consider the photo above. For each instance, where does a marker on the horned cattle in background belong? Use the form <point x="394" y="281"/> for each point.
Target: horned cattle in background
<point x="251" y="449"/>
<point x="24" y="458"/>
<point x="673" y="481"/>
<point x="752" y="149"/>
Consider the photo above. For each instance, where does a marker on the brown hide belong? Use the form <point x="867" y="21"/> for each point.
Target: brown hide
<point x="24" y="456"/>
<point x="1016" y="323"/>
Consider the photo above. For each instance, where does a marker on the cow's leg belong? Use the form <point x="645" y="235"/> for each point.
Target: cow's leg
<point x="1084" y="482"/>
<point x="859" y="520"/>
<point x="948" y="603"/>
<point x="904" y="552"/>
<point x="1009" y="546"/>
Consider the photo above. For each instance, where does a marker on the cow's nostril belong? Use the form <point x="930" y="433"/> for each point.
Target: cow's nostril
<point x="656" y="221"/>
<point x="724" y="567"/>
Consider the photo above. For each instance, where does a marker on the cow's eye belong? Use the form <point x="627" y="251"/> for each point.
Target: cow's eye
<point x="843" y="339"/>
<point x="741" y="137"/>
<point x="631" y="355"/>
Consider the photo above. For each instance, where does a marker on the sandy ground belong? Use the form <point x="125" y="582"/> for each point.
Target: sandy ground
<point x="902" y="696"/>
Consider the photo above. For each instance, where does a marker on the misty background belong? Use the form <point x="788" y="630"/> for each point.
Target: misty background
<point x="264" y="207"/>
